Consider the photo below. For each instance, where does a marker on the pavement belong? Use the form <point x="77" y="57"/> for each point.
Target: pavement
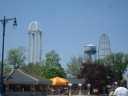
<point x="81" y="95"/>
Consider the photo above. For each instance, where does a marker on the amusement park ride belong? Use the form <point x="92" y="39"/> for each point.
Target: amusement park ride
<point x="104" y="49"/>
<point x="34" y="42"/>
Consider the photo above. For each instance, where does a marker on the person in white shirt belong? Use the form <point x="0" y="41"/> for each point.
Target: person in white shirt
<point x="121" y="91"/>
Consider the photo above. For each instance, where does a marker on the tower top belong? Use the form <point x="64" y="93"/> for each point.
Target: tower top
<point x="34" y="26"/>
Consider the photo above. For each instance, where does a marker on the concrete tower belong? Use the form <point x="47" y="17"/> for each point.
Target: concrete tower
<point x="34" y="42"/>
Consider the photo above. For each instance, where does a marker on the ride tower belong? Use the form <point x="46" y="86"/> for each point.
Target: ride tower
<point x="104" y="47"/>
<point x="34" y="42"/>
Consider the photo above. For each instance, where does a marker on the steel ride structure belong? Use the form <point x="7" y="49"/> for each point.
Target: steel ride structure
<point x="34" y="42"/>
<point x="104" y="47"/>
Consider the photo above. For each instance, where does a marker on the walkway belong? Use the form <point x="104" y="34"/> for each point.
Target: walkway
<point x="81" y="95"/>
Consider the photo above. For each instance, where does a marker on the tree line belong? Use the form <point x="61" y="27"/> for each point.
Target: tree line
<point x="112" y="68"/>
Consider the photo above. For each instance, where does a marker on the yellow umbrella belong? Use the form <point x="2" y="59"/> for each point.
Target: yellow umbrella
<point x="59" y="81"/>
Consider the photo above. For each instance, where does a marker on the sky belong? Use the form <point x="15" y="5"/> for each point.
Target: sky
<point x="67" y="25"/>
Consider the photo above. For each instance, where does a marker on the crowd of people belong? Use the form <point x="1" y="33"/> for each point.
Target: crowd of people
<point x="59" y="90"/>
<point x="117" y="91"/>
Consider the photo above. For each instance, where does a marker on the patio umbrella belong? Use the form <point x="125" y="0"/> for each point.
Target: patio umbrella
<point x="121" y="91"/>
<point x="59" y="81"/>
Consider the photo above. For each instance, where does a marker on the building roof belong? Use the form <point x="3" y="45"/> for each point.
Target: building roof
<point x="17" y="76"/>
<point x="76" y="81"/>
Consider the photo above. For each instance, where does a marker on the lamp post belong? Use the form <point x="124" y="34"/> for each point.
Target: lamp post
<point x="4" y="22"/>
<point x="80" y="88"/>
<point x="89" y="85"/>
<point x="70" y="84"/>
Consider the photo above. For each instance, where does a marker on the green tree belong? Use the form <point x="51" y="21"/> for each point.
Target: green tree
<point x="34" y="68"/>
<point x="52" y="67"/>
<point x="16" y="56"/>
<point x="74" y="65"/>
<point x="125" y="75"/>
<point x="118" y="63"/>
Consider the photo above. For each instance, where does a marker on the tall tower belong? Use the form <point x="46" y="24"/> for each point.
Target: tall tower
<point x="104" y="47"/>
<point x="90" y="53"/>
<point x="34" y="42"/>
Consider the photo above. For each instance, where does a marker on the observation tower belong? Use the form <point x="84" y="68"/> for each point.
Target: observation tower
<point x="34" y="42"/>
<point x="90" y="53"/>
